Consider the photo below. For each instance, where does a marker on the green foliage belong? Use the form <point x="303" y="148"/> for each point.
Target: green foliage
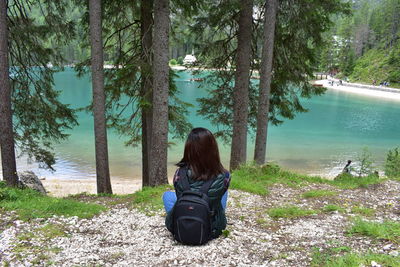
<point x="149" y="199"/>
<point x="392" y="164"/>
<point x="366" y="44"/>
<point x="40" y="119"/>
<point x="387" y="230"/>
<point x="379" y="65"/>
<point x="289" y="212"/>
<point x="173" y="62"/>
<point x="30" y="204"/>
<point x="331" y="207"/>
<point x="297" y="40"/>
<point x="126" y="92"/>
<point x="334" y="257"/>
<point x="180" y="60"/>
<point x="318" y="193"/>
<point x="348" y="181"/>
<point x="365" y="161"/>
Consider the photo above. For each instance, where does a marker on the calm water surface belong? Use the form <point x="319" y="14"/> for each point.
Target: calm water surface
<point x="335" y="129"/>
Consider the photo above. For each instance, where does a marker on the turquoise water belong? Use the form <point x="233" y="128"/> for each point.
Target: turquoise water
<point x="335" y="129"/>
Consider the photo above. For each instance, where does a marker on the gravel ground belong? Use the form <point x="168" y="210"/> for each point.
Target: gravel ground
<point x="124" y="236"/>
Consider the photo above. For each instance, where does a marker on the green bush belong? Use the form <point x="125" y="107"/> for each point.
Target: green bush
<point x="180" y="60"/>
<point x="392" y="165"/>
<point x="173" y="62"/>
<point x="364" y="158"/>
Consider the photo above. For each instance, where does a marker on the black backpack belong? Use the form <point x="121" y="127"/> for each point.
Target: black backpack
<point x="192" y="213"/>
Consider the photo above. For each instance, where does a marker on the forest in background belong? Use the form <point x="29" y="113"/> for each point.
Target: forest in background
<point x="365" y="46"/>
<point x="362" y="46"/>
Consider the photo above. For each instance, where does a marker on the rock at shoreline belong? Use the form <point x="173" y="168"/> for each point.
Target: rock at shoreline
<point x="30" y="180"/>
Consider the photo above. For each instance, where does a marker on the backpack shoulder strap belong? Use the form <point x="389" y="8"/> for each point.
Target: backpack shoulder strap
<point x="184" y="178"/>
<point x="206" y="186"/>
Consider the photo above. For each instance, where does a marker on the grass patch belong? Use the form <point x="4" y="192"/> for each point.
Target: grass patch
<point x="387" y="230"/>
<point x="331" y="208"/>
<point x="342" y="257"/>
<point x="251" y="186"/>
<point x="30" y="204"/>
<point x="256" y="179"/>
<point x="363" y="211"/>
<point x="318" y="193"/>
<point x="289" y="212"/>
<point x="149" y="199"/>
<point x="347" y="181"/>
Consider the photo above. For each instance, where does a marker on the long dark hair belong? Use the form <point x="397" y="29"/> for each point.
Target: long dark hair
<point x="201" y="155"/>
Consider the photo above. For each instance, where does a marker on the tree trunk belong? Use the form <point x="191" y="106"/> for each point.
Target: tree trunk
<point x="265" y="81"/>
<point x="159" y="140"/>
<point x="146" y="90"/>
<point x="8" y="164"/>
<point x="241" y="90"/>
<point x="99" y="99"/>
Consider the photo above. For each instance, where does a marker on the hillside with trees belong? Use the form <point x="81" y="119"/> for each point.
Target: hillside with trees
<point x="365" y="46"/>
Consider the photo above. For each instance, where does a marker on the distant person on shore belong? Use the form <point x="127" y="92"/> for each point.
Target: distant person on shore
<point x="200" y="178"/>
<point x="340" y="82"/>
<point x="346" y="168"/>
<point x="374" y="82"/>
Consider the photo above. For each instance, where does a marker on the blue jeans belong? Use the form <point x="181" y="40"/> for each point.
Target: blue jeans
<point x="169" y="199"/>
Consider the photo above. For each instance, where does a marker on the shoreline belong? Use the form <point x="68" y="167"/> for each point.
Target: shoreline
<point x="63" y="188"/>
<point x="360" y="89"/>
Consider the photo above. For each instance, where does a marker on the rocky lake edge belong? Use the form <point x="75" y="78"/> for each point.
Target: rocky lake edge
<point x="309" y="225"/>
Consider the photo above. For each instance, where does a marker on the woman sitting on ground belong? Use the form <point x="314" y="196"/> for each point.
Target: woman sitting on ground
<point x="201" y="158"/>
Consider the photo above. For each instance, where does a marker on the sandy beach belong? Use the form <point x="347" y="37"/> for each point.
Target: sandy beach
<point x="361" y="89"/>
<point x="62" y="188"/>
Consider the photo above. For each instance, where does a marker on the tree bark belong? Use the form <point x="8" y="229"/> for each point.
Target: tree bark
<point x="241" y="90"/>
<point x="159" y="140"/>
<point x="146" y="90"/>
<point x="7" y="145"/>
<point x="265" y="81"/>
<point x="99" y="99"/>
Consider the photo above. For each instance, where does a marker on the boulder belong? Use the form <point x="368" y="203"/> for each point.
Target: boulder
<point x="30" y="180"/>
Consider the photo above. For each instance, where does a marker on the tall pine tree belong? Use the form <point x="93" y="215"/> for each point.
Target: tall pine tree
<point x="159" y="131"/>
<point x="260" y="148"/>
<point x="8" y="162"/>
<point x="100" y="127"/>
<point x="241" y="89"/>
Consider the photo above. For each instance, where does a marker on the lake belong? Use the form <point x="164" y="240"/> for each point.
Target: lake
<point x="337" y="127"/>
